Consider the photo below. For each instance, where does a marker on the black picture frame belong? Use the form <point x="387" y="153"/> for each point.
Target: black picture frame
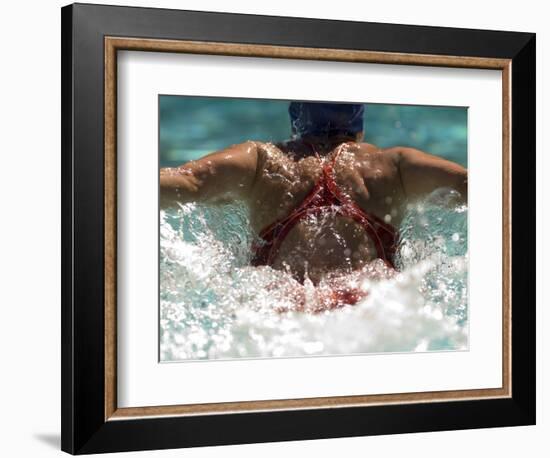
<point x="84" y="427"/>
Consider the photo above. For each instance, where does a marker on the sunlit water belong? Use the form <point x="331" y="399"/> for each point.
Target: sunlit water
<point x="213" y="304"/>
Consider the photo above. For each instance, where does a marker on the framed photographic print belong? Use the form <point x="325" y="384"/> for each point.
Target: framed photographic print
<point x="283" y="228"/>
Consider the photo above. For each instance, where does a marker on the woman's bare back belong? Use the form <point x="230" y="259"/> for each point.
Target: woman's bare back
<point x="325" y="242"/>
<point x="275" y="179"/>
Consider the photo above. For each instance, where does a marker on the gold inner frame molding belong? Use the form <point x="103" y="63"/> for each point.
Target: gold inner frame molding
<point x="114" y="44"/>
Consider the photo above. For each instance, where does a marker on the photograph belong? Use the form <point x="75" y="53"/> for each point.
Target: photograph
<point x="284" y="227"/>
<point x="294" y="228"/>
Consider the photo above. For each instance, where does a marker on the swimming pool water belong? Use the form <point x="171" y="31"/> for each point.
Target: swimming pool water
<point x="191" y="127"/>
<point x="213" y="304"/>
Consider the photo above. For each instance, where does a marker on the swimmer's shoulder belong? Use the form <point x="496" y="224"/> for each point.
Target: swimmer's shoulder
<point x="370" y="151"/>
<point x="390" y="154"/>
<point x="271" y="156"/>
<point x="284" y="152"/>
<point x="260" y="150"/>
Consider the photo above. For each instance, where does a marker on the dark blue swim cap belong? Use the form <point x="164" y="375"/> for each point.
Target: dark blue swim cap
<point x="326" y="119"/>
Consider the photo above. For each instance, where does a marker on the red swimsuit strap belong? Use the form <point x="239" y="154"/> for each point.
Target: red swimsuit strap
<point x="325" y="193"/>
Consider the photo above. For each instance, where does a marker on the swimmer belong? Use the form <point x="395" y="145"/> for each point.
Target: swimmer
<point x="323" y="201"/>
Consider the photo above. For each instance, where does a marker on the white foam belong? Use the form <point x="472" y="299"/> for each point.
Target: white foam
<point x="215" y="305"/>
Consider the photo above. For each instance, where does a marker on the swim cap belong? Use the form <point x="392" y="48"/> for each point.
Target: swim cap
<point x="326" y="119"/>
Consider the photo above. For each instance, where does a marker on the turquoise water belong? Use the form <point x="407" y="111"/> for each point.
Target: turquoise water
<point x="191" y="127"/>
<point x="214" y="305"/>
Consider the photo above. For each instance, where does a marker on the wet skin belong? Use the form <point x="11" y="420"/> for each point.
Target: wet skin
<point x="274" y="179"/>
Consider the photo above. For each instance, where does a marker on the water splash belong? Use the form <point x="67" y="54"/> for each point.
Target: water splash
<point x="213" y="304"/>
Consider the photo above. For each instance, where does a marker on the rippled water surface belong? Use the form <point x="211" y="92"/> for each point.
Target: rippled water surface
<point x="215" y="305"/>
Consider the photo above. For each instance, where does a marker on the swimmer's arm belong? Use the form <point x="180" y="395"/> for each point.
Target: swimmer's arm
<point x="422" y="173"/>
<point x="219" y="176"/>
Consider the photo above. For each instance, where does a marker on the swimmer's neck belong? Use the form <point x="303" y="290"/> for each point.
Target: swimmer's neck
<point x="324" y="144"/>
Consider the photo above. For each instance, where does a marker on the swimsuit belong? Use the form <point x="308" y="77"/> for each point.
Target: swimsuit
<point x="326" y="194"/>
